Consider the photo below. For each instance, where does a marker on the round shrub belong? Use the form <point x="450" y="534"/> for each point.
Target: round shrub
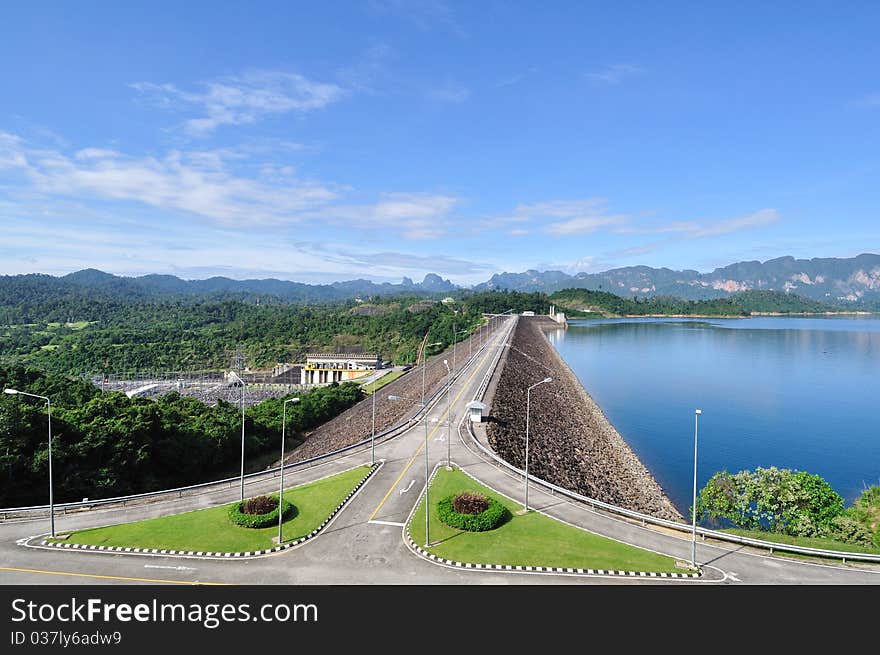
<point x="239" y="515"/>
<point x="470" y="503"/>
<point x="490" y="518"/>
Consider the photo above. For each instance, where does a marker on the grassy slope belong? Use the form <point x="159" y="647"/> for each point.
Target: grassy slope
<point x="809" y="542"/>
<point x="388" y="378"/>
<point x="211" y="530"/>
<point x="526" y="540"/>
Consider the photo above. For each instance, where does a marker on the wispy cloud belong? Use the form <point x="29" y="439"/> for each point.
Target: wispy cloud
<point x="870" y="100"/>
<point x="424" y="14"/>
<point x="569" y="217"/>
<point x="368" y="70"/>
<point x="449" y="91"/>
<point x="416" y="216"/>
<point x="212" y="184"/>
<point x="614" y="74"/>
<point x="198" y="182"/>
<point x="243" y="99"/>
<point x="696" y="230"/>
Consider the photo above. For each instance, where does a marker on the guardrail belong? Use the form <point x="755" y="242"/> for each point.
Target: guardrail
<point x="647" y="518"/>
<point x="205" y="487"/>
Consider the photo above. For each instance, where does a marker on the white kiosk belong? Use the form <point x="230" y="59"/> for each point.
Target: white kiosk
<point x="475" y="411"/>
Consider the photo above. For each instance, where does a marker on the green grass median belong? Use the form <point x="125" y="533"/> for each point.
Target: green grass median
<point x="211" y="530"/>
<point x="531" y="539"/>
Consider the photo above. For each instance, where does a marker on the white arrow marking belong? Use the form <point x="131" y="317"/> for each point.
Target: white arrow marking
<point x="411" y="483"/>
<point x="733" y="577"/>
<point x="173" y="568"/>
<point x="23" y="541"/>
<point x="440" y="438"/>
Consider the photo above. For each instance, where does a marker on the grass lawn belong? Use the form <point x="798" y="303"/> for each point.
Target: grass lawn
<point x="388" y="378"/>
<point x="808" y="542"/>
<point x="211" y="530"/>
<point x="531" y="539"/>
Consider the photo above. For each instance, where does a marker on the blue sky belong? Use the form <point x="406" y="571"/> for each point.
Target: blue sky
<point x="386" y="138"/>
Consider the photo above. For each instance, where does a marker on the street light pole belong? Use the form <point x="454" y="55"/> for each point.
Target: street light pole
<point x="14" y="392"/>
<point x="528" y="408"/>
<point x="427" y="472"/>
<point x="697" y="413"/>
<point x="281" y="483"/>
<point x="448" y="418"/>
<point x="241" y="403"/>
<point x="373" y="433"/>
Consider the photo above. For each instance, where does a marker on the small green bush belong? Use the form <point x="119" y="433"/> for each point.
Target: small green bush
<point x="239" y="517"/>
<point x="847" y="529"/>
<point x="493" y="516"/>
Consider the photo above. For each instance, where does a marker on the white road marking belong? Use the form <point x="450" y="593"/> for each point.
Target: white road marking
<point x="440" y="438"/>
<point x="394" y="523"/>
<point x="411" y="483"/>
<point x="173" y="568"/>
<point x="732" y="576"/>
<point x="23" y="541"/>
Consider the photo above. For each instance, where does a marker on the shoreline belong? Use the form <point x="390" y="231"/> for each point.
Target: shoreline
<point x="751" y="315"/>
<point x="572" y="443"/>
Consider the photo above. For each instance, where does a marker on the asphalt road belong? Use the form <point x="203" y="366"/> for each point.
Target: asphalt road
<point x="364" y="544"/>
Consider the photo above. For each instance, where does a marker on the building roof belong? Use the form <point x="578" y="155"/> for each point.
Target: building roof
<point x="342" y="356"/>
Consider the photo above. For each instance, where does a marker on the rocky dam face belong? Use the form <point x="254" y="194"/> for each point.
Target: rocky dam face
<point x="571" y="442"/>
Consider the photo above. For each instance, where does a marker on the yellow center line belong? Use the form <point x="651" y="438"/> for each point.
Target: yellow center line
<point x="107" y="577"/>
<point x="422" y="445"/>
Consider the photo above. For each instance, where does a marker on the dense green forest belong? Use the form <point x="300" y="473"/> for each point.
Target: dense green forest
<point x="742" y="304"/>
<point x="139" y="335"/>
<point x="108" y="444"/>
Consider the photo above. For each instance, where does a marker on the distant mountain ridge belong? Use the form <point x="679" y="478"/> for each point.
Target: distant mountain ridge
<point x="154" y="284"/>
<point x="853" y="281"/>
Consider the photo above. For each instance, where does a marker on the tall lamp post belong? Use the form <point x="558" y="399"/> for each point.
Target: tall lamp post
<point x="427" y="473"/>
<point x="697" y="413"/>
<point x="528" y="408"/>
<point x="241" y="404"/>
<point x="448" y="417"/>
<point x="15" y="392"/>
<point x="281" y="483"/>
<point x="373" y="432"/>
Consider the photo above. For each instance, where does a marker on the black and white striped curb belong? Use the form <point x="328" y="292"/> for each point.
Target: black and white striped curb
<point x="218" y="555"/>
<point x="534" y="569"/>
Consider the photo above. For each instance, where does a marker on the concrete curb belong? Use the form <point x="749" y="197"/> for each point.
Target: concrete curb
<point x="512" y="568"/>
<point x="209" y="554"/>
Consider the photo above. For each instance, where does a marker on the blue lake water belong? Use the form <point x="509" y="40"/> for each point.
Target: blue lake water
<point x="798" y="393"/>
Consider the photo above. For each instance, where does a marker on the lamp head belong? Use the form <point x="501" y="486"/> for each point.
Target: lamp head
<point x="10" y="392"/>
<point x="292" y="400"/>
<point x="548" y="380"/>
<point x="394" y="398"/>
<point x="698" y="411"/>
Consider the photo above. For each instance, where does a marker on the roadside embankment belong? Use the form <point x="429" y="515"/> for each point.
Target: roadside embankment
<point x="571" y="442"/>
<point x="355" y="424"/>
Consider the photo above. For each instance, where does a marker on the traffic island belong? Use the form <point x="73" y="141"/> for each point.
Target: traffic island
<point x="531" y="542"/>
<point x="210" y="533"/>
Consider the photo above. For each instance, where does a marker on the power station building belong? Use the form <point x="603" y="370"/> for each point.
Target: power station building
<point x="326" y="368"/>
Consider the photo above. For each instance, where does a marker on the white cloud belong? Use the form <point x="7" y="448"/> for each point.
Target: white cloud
<point x="756" y="219"/>
<point x="197" y="182"/>
<point x="568" y="216"/>
<point x="245" y="98"/>
<point x="694" y="230"/>
<point x="417" y="216"/>
<point x="614" y="74"/>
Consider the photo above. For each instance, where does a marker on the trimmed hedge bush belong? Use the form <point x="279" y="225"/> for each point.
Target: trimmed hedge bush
<point x="493" y="516"/>
<point x="237" y="516"/>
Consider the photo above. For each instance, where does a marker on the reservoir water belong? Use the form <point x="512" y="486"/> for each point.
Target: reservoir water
<point x="798" y="393"/>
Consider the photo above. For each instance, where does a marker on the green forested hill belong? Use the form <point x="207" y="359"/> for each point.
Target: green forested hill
<point x="742" y="304"/>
